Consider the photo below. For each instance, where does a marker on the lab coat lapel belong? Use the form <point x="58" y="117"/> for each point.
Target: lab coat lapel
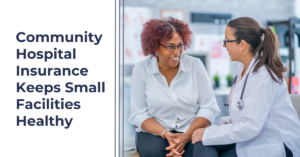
<point x="240" y="69"/>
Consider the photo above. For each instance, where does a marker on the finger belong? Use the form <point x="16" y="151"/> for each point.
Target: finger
<point x="172" y="135"/>
<point x="194" y="135"/>
<point x="179" y="148"/>
<point x="195" y="132"/>
<point x="170" y="154"/>
<point x="171" y="147"/>
<point x="182" y="152"/>
<point x="175" y="140"/>
<point x="194" y="140"/>
<point x="175" y="151"/>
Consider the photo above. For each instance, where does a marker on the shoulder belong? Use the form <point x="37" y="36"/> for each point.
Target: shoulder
<point x="142" y="65"/>
<point x="263" y="76"/>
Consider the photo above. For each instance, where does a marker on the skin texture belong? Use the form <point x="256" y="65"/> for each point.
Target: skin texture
<point x="240" y="52"/>
<point x="157" y="30"/>
<point x="168" y="63"/>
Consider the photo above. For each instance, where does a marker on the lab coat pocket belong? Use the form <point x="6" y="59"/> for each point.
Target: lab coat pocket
<point x="266" y="150"/>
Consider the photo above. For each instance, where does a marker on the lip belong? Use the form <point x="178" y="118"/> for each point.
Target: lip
<point x="174" y="59"/>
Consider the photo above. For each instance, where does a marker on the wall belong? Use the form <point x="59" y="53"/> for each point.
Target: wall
<point x="260" y="10"/>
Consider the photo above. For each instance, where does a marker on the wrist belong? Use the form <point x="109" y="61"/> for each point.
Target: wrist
<point x="188" y="134"/>
<point x="165" y="134"/>
<point x="187" y="137"/>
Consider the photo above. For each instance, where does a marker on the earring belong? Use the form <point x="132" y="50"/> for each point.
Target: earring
<point x="240" y="50"/>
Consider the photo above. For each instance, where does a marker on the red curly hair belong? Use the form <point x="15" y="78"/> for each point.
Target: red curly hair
<point x="156" y="30"/>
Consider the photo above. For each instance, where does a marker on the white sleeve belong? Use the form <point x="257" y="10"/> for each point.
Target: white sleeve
<point x="224" y="120"/>
<point x="139" y="110"/>
<point x="258" y="97"/>
<point x="208" y="105"/>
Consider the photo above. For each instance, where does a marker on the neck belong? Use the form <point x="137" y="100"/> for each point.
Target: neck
<point x="246" y="61"/>
<point x="164" y="68"/>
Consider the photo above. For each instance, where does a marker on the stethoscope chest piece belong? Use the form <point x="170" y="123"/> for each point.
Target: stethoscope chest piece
<point x="240" y="104"/>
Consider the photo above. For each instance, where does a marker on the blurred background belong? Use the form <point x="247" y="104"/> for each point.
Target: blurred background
<point x="207" y="20"/>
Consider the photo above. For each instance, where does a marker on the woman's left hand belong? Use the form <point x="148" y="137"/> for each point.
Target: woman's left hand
<point x="183" y="140"/>
<point x="197" y="135"/>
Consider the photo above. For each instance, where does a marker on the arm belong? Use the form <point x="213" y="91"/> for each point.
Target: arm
<point x="138" y="107"/>
<point x="224" y="120"/>
<point x="208" y="108"/>
<point x="198" y="122"/>
<point x="259" y="95"/>
<point x="151" y="125"/>
<point x="139" y="115"/>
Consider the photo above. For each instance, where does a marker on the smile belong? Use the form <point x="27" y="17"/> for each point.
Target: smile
<point x="174" y="59"/>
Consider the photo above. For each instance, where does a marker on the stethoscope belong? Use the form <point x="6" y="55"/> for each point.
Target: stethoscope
<point x="240" y="104"/>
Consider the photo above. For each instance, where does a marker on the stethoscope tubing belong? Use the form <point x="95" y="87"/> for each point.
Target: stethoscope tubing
<point x="242" y="94"/>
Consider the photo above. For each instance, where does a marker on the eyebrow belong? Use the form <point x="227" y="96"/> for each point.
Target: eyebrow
<point x="173" y="43"/>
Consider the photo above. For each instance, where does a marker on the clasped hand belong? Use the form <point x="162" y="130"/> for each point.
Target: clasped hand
<point x="177" y="142"/>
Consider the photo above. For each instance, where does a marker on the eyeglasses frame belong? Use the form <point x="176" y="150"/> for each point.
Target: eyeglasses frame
<point x="172" y="45"/>
<point x="224" y="41"/>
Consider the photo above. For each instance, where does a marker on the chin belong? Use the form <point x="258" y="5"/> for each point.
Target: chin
<point x="173" y="65"/>
<point x="232" y="58"/>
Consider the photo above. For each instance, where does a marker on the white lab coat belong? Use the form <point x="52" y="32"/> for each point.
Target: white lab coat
<point x="267" y="120"/>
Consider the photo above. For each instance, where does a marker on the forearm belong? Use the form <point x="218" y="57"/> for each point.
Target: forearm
<point x="198" y="122"/>
<point x="152" y="126"/>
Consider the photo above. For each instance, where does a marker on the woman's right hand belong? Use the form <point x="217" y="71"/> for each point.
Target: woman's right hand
<point x="173" y="142"/>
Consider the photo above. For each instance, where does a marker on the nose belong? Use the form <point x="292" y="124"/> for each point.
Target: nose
<point x="176" y="51"/>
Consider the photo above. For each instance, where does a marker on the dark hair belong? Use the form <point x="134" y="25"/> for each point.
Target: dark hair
<point x="266" y="48"/>
<point x="156" y="30"/>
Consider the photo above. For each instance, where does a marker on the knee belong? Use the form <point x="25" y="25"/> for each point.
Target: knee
<point x="150" y="152"/>
<point x="199" y="145"/>
<point x="203" y="151"/>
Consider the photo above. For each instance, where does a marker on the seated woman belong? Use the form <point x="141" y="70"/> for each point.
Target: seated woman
<point x="170" y="92"/>
<point x="262" y="121"/>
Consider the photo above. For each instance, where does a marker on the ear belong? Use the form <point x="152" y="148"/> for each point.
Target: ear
<point x="158" y="50"/>
<point x="243" y="45"/>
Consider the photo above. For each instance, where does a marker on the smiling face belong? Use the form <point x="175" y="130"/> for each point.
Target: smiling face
<point x="232" y="47"/>
<point x="170" y="58"/>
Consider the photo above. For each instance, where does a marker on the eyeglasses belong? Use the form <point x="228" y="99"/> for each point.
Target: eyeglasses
<point x="229" y="41"/>
<point x="171" y="48"/>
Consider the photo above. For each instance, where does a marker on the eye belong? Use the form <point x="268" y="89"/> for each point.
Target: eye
<point x="170" y="47"/>
<point x="180" y="46"/>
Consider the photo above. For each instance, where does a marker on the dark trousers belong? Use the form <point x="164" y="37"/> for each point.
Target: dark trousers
<point x="149" y="145"/>
<point x="222" y="151"/>
<point x="214" y="151"/>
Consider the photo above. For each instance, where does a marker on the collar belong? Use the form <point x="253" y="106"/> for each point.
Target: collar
<point x="153" y="68"/>
<point x="240" y="67"/>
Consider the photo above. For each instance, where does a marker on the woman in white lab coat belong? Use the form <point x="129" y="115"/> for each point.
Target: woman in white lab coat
<point x="262" y="121"/>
